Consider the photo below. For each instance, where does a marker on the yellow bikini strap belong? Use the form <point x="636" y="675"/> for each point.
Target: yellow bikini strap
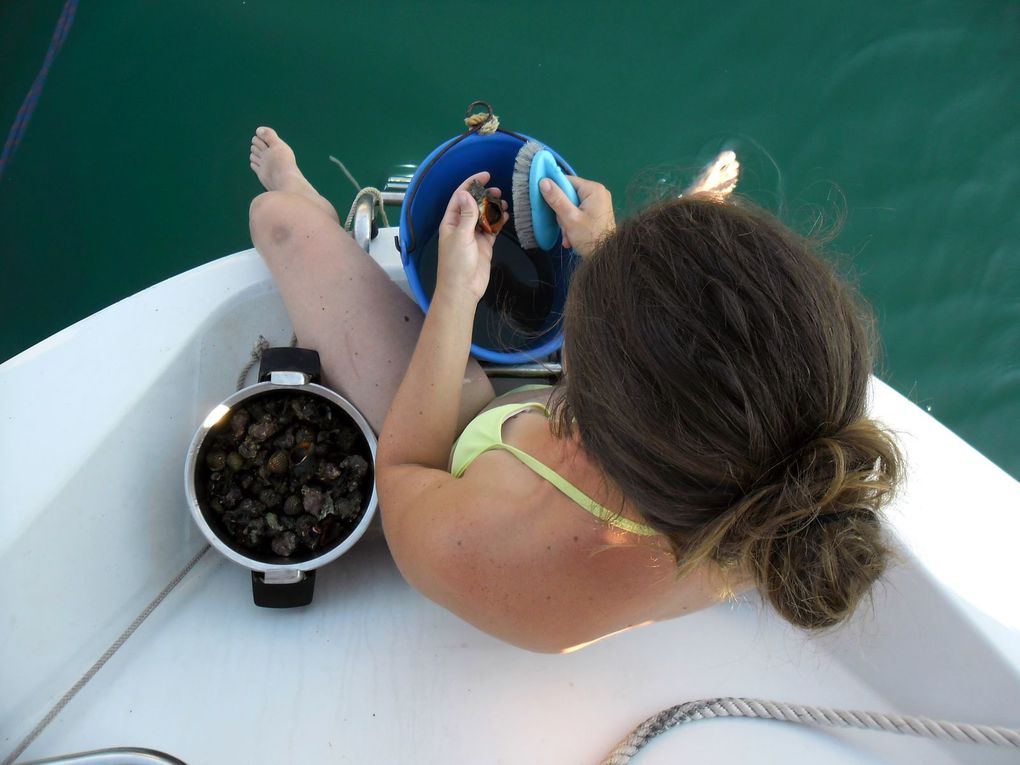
<point x="582" y="499"/>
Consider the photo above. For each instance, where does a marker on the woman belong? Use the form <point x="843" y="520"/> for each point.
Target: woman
<point x="710" y="433"/>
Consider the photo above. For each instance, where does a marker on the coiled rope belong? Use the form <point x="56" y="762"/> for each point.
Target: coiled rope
<point x="377" y="197"/>
<point x="485" y="124"/>
<point x="836" y="718"/>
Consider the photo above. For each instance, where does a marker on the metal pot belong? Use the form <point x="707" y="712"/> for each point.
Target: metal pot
<point x="279" y="582"/>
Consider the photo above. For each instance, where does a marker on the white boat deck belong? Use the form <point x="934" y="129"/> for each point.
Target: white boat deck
<point x="373" y="672"/>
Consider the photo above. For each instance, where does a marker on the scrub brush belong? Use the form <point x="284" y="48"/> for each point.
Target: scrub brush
<point x="534" y="219"/>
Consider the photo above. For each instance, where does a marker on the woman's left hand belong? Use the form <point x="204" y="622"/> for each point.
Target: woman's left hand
<point x="465" y="253"/>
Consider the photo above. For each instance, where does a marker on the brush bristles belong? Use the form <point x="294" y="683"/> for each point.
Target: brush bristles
<point x="520" y="193"/>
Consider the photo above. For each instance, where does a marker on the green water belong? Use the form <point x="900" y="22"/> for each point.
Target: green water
<point x="134" y="167"/>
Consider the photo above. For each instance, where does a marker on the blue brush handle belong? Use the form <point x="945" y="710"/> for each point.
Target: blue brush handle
<point x="543" y="219"/>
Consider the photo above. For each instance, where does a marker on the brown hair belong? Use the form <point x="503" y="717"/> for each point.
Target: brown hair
<point x="717" y="371"/>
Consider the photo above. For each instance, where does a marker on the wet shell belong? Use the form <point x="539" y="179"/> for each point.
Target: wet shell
<point x="292" y="505"/>
<point x="235" y="461"/>
<point x="248" y="449"/>
<point x="490" y="208"/>
<point x="279" y="463"/>
<point x="284" y="543"/>
<point x="239" y="423"/>
<point x="327" y="471"/>
<point x="262" y="429"/>
<point x="312" y="500"/>
<point x="216" y="460"/>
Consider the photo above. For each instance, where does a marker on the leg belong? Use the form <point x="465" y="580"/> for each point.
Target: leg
<point x="339" y="300"/>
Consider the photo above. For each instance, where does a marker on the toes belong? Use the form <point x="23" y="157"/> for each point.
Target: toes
<point x="267" y="134"/>
<point x="719" y="176"/>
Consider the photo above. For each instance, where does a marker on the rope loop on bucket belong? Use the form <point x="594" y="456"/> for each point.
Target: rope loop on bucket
<point x="483" y="123"/>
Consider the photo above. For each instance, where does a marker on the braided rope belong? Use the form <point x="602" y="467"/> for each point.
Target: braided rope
<point x="836" y="718"/>
<point x="372" y="191"/>
<point x="486" y="123"/>
<point x="377" y="203"/>
<point x="256" y="354"/>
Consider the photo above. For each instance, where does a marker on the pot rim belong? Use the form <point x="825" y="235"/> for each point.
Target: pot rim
<point x="215" y="416"/>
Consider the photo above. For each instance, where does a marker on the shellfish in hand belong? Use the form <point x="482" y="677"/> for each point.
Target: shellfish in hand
<point x="490" y="208"/>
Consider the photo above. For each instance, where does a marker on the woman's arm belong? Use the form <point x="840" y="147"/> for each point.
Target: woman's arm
<point x="422" y="423"/>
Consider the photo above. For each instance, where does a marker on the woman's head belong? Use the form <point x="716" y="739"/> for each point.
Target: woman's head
<point x="718" y="372"/>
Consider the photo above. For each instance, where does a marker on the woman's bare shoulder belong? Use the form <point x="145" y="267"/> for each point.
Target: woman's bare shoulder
<point x="535" y="570"/>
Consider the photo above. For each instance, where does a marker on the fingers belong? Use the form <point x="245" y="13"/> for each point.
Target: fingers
<point x="462" y="212"/>
<point x="482" y="178"/>
<point x="585" y="188"/>
<point x="558" y="201"/>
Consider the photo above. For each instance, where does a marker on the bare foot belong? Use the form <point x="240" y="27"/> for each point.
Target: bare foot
<point x="719" y="177"/>
<point x="274" y="163"/>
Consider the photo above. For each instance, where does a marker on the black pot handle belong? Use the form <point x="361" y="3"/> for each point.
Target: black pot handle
<point x="282" y="594"/>
<point x="290" y="360"/>
<point x="296" y="593"/>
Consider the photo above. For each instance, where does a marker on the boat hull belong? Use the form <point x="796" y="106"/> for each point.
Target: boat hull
<point x="374" y="672"/>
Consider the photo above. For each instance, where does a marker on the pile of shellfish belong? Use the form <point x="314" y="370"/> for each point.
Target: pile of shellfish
<point x="285" y="474"/>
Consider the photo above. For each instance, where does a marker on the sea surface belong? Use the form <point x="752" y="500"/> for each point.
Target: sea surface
<point x="899" y="120"/>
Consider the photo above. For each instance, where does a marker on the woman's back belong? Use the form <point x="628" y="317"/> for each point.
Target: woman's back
<point x="556" y="576"/>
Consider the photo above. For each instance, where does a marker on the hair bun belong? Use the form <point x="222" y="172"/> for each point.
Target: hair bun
<point x="820" y="546"/>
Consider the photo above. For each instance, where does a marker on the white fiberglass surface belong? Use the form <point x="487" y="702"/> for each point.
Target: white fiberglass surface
<point x="92" y="533"/>
<point x="372" y="672"/>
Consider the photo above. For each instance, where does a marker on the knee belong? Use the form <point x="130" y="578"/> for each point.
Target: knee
<point x="268" y="218"/>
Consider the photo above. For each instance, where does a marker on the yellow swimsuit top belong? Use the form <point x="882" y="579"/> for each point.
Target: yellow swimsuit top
<point x="485" y="432"/>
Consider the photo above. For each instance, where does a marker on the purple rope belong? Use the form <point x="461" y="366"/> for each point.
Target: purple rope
<point x="32" y="99"/>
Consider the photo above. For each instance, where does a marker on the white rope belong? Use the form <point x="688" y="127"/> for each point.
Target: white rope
<point x="256" y="354"/>
<point x="343" y="168"/>
<point x="377" y="204"/>
<point x="66" y="698"/>
<point x="837" y="718"/>
<point x="487" y="123"/>
<point x="372" y="191"/>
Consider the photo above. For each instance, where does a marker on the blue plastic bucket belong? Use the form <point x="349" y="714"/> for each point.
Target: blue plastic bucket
<point x="424" y="204"/>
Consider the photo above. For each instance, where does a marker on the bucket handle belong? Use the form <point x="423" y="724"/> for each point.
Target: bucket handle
<point x="409" y="199"/>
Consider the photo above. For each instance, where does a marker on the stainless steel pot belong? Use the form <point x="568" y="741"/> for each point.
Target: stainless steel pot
<point x="278" y="582"/>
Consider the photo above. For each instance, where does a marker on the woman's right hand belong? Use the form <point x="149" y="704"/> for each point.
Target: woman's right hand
<point x="583" y="225"/>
